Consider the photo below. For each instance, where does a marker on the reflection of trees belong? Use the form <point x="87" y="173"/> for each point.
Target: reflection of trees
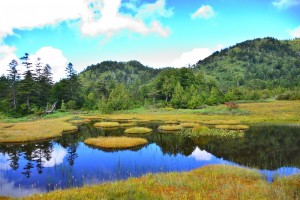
<point x="33" y="153"/>
<point x="173" y="144"/>
<point x="268" y="147"/>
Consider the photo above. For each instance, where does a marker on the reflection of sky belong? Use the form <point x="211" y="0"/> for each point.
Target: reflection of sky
<point x="283" y="171"/>
<point x="8" y="188"/>
<point x="4" y="162"/>
<point x="94" y="166"/>
<point x="57" y="157"/>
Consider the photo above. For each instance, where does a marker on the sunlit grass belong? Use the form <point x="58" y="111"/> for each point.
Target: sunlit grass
<point x="138" y="130"/>
<point x="189" y="125"/>
<point x="35" y="130"/>
<point x="210" y="182"/>
<point x="171" y="122"/>
<point x="232" y="127"/>
<point x="115" y="142"/>
<point x="170" y="127"/>
<point x="106" y="124"/>
<point x="126" y="124"/>
<point x="222" y="122"/>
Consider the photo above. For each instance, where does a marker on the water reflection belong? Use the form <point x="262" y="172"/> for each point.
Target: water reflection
<point x="68" y="162"/>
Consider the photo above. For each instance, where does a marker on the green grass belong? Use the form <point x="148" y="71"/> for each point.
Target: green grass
<point x="232" y="127"/>
<point x="115" y="142"/>
<point x="210" y="182"/>
<point x="138" y="130"/>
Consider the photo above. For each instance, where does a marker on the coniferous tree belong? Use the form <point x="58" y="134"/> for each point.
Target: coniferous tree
<point x="13" y="77"/>
<point x="27" y="85"/>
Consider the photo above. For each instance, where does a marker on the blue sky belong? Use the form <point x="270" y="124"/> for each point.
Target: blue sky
<point x="158" y="33"/>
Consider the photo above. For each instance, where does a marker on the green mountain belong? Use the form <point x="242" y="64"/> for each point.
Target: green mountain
<point x="256" y="64"/>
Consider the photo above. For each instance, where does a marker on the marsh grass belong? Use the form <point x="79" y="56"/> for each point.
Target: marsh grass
<point x="232" y="127"/>
<point x="126" y="124"/>
<point x="138" y="130"/>
<point x="204" y="131"/>
<point x="35" y="130"/>
<point x="210" y="182"/>
<point x="171" y="122"/>
<point x="170" y="127"/>
<point x="106" y="124"/>
<point x="189" y="125"/>
<point x="222" y="122"/>
<point x="115" y="142"/>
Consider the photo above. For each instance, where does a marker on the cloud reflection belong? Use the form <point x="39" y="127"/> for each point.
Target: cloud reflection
<point x="199" y="155"/>
<point x="57" y="157"/>
<point x="4" y="162"/>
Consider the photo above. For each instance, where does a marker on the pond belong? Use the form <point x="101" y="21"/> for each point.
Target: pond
<point x="67" y="162"/>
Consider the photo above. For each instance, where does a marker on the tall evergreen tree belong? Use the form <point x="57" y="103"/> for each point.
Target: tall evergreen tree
<point x="13" y="77"/>
<point x="27" y="85"/>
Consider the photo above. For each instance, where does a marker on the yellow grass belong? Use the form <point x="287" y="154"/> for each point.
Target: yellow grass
<point x="189" y="125"/>
<point x="115" y="142"/>
<point x="206" y="183"/>
<point x="171" y="122"/>
<point x="107" y="124"/>
<point x="274" y="112"/>
<point x="35" y="130"/>
<point x="138" y="130"/>
<point x="79" y="121"/>
<point x="232" y="127"/>
<point x="126" y="124"/>
<point x="170" y="127"/>
<point x="222" y="122"/>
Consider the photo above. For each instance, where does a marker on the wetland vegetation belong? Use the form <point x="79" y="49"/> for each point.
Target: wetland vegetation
<point x="246" y="117"/>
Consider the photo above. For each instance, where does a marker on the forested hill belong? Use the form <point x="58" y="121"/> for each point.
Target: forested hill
<point x="258" y="64"/>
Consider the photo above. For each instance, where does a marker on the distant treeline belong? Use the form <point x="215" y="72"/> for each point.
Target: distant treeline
<point x="252" y="70"/>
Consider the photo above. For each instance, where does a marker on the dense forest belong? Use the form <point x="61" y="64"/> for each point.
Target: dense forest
<point x="251" y="70"/>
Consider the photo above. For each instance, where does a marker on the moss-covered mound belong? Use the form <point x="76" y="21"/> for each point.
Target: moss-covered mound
<point x="170" y="127"/>
<point x="115" y="142"/>
<point x="171" y="122"/>
<point x="126" y="124"/>
<point x="232" y="127"/>
<point x="138" y="130"/>
<point x="107" y="124"/>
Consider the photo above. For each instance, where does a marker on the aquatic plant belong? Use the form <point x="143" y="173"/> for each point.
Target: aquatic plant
<point x="138" y="130"/>
<point x="115" y="142"/>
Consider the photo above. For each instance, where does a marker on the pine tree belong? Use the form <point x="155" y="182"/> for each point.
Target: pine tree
<point x="27" y="85"/>
<point x="13" y="77"/>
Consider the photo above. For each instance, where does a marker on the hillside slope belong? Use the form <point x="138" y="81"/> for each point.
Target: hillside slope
<point x="257" y="64"/>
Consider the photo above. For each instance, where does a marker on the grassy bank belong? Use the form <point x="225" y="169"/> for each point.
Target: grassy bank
<point x="210" y="182"/>
<point x="34" y="130"/>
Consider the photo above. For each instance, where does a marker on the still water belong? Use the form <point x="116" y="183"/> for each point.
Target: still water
<point x="67" y="162"/>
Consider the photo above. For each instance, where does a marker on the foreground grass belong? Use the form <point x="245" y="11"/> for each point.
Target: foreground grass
<point x="210" y="182"/>
<point x="115" y="142"/>
<point x="34" y="130"/>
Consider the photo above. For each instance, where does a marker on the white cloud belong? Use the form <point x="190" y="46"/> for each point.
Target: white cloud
<point x="282" y="4"/>
<point x="199" y="155"/>
<point x="191" y="57"/>
<point x="205" y="11"/>
<point x="295" y="33"/>
<point x="95" y="16"/>
<point x="111" y="21"/>
<point x="7" y="54"/>
<point x="28" y="14"/>
<point x="55" y="58"/>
